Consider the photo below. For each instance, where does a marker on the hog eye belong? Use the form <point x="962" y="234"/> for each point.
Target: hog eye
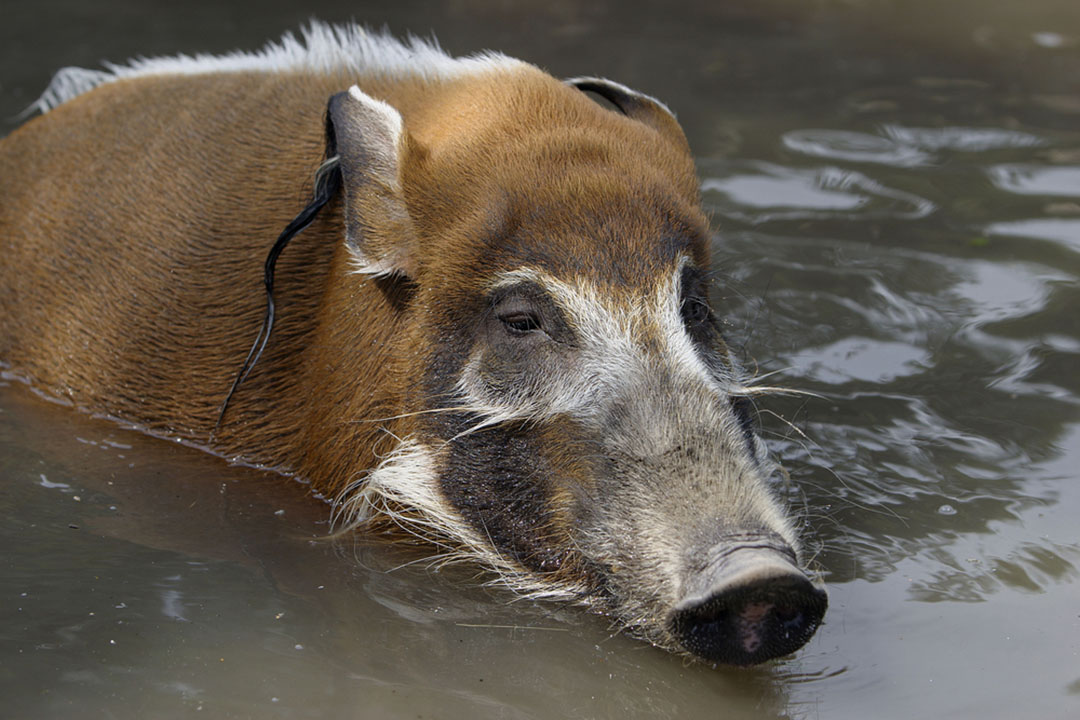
<point x="694" y="312"/>
<point x="520" y="323"/>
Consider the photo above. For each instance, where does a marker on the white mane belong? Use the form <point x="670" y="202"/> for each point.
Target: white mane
<point x="322" y="48"/>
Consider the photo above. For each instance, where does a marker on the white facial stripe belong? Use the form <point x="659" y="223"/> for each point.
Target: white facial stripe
<point x="606" y="354"/>
<point x="678" y="345"/>
<point x="407" y="472"/>
<point x="611" y="353"/>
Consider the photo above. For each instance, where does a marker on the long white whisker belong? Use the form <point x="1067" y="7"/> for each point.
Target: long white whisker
<point x="751" y="390"/>
<point x="787" y="422"/>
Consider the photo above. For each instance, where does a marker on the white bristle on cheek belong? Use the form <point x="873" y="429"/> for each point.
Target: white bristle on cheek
<point x="404" y="488"/>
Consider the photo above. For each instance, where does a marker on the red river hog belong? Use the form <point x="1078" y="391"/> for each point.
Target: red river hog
<point x="491" y="325"/>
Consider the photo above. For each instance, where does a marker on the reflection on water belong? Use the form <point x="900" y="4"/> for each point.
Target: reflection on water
<point x="961" y="139"/>
<point x="855" y="147"/>
<point x="894" y="188"/>
<point x="1036" y="180"/>
<point x="778" y="193"/>
<point x="856" y="358"/>
<point x="906" y="147"/>
<point x="1029" y="568"/>
<point x="1057" y="230"/>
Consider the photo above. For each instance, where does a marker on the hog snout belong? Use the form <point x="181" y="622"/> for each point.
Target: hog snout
<point x="750" y="605"/>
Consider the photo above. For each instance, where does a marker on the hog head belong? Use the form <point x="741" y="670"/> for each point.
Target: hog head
<point x="571" y="415"/>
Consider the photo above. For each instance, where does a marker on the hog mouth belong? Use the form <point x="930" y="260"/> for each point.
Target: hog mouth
<point x="749" y="604"/>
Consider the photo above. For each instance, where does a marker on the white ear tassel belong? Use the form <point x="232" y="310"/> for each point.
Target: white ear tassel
<point x="390" y="117"/>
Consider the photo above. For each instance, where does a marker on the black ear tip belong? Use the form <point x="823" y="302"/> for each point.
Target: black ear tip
<point x="622" y="97"/>
<point x="336" y="102"/>
<point x="333" y="114"/>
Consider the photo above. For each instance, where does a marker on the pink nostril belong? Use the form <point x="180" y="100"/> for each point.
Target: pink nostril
<point x="749" y="625"/>
<point x="755" y="611"/>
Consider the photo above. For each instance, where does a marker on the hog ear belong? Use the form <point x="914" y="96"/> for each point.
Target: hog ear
<point x="636" y="105"/>
<point x="372" y="146"/>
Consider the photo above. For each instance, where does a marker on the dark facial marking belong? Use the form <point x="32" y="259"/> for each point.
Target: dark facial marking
<point x="526" y="309"/>
<point x="500" y="480"/>
<point x="700" y="322"/>
<point x="704" y="331"/>
<point x="743" y="406"/>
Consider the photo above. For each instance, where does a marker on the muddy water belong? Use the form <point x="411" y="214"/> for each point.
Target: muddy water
<point x="896" y="192"/>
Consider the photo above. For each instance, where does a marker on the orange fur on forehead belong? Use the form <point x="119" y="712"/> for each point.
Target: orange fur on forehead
<point x="586" y="225"/>
<point x="495" y="129"/>
<point x="526" y="170"/>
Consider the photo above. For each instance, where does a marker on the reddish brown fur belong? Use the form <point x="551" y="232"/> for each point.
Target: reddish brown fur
<point x="135" y="219"/>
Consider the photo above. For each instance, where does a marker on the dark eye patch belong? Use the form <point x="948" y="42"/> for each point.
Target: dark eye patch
<point x="697" y="316"/>
<point x="700" y="321"/>
<point x="520" y="323"/>
<point x="742" y="406"/>
<point x="520" y="315"/>
<point x="526" y="309"/>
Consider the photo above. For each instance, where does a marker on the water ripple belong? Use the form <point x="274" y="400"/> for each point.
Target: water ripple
<point x="961" y="139"/>
<point x="908" y="147"/>
<point x="1028" y="567"/>
<point x="1060" y="181"/>
<point x="860" y="358"/>
<point x="854" y="146"/>
<point x="998" y="291"/>
<point x="1063" y="231"/>
<point x="764" y="192"/>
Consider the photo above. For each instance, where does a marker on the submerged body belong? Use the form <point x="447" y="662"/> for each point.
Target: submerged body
<point x="497" y="333"/>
